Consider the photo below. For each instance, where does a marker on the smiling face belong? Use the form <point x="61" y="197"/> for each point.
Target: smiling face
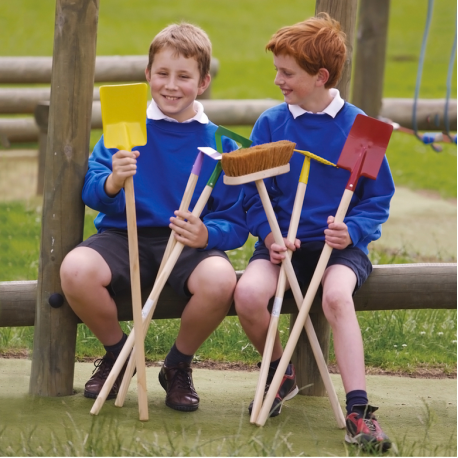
<point x="299" y="87"/>
<point x="175" y="83"/>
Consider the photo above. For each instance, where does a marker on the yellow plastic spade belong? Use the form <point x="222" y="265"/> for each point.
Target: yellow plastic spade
<point x="124" y="127"/>
<point x="124" y="115"/>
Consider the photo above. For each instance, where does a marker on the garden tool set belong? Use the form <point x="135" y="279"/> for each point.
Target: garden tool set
<point x="362" y="155"/>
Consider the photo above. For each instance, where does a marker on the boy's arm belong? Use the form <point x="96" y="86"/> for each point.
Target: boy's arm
<point x="370" y="205"/>
<point x="224" y="216"/>
<point x="94" y="191"/>
<point x="226" y="225"/>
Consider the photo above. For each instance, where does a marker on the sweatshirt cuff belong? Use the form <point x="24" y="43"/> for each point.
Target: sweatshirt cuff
<point x="354" y="232"/>
<point x="264" y="230"/>
<point x="213" y="238"/>
<point x="104" y="197"/>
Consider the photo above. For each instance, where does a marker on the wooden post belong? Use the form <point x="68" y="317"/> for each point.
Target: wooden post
<point x="307" y="372"/>
<point x="367" y="88"/>
<point x="63" y="210"/>
<point x="41" y="118"/>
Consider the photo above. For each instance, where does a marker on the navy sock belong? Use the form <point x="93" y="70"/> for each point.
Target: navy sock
<point x="116" y="348"/>
<point x="274" y="365"/>
<point x="357" y="397"/>
<point x="175" y="357"/>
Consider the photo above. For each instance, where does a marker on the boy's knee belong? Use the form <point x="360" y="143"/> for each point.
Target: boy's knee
<point x="248" y="299"/>
<point x="336" y="303"/>
<point x="78" y="270"/>
<point x="216" y="277"/>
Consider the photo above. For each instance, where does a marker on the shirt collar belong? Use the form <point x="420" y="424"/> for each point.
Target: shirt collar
<point x="332" y="109"/>
<point x="154" y="112"/>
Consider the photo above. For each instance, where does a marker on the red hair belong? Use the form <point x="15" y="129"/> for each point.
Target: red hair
<point x="318" y="42"/>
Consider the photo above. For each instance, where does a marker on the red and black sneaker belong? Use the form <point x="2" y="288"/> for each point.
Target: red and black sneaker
<point x="364" y="430"/>
<point x="288" y="389"/>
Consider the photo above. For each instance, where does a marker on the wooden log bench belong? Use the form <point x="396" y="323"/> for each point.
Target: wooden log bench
<point x="390" y="287"/>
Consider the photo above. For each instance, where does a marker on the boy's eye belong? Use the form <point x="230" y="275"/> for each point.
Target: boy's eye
<point x="185" y="76"/>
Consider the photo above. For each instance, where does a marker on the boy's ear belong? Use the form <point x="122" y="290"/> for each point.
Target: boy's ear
<point x="203" y="85"/>
<point x="323" y="76"/>
<point x="147" y="74"/>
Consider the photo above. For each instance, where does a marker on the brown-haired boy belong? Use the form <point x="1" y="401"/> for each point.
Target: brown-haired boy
<point x="309" y="58"/>
<point x="96" y="271"/>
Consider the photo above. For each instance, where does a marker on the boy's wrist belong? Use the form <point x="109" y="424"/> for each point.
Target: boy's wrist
<point x="110" y="188"/>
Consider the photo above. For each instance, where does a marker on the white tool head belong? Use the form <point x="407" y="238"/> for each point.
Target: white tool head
<point x="210" y="152"/>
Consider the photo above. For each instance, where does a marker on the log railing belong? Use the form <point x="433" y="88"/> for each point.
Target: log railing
<point x="389" y="287"/>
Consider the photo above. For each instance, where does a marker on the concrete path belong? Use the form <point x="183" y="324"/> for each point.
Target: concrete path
<point x="421" y="225"/>
<point x="420" y="415"/>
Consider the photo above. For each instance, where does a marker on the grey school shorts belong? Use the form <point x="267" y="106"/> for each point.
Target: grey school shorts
<point x="113" y="246"/>
<point x="305" y="259"/>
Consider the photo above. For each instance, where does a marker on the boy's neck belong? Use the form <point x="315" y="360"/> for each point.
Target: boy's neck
<point x="318" y="100"/>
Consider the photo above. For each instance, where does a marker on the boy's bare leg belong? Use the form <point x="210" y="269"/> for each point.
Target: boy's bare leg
<point x="338" y="284"/>
<point x="254" y="290"/>
<point x="252" y="294"/>
<point x="84" y="277"/>
<point x="212" y="285"/>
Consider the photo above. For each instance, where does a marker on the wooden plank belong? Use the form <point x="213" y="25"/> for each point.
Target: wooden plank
<point x="369" y="67"/>
<point x="63" y="210"/>
<point x="389" y="287"/>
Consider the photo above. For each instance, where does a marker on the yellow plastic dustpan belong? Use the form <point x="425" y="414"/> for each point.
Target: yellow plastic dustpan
<point x="124" y="115"/>
<point x="124" y="127"/>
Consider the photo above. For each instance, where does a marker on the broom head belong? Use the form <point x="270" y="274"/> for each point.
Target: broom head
<point x="261" y="161"/>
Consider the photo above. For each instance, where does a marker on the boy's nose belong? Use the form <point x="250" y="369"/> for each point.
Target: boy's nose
<point x="278" y="79"/>
<point x="171" y="83"/>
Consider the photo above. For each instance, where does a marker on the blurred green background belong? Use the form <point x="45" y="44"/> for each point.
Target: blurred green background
<point x="239" y="30"/>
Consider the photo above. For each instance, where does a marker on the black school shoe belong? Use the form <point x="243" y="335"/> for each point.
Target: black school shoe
<point x="102" y="369"/>
<point x="288" y="389"/>
<point x="177" y="383"/>
<point x="365" y="431"/>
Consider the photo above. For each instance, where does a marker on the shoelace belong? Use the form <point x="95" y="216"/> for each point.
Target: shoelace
<point x="370" y="424"/>
<point x="105" y="366"/>
<point x="182" y="379"/>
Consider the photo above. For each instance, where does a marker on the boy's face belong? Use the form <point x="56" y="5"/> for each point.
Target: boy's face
<point x="175" y="83"/>
<point x="297" y="86"/>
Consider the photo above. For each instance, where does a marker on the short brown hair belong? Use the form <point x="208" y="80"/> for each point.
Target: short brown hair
<point x="316" y="43"/>
<point x="187" y="40"/>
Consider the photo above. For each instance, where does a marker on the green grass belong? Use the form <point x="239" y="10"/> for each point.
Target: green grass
<point x="239" y="30"/>
<point x="108" y="436"/>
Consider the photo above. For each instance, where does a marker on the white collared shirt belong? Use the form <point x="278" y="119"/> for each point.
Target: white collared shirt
<point x="154" y="112"/>
<point x="332" y="109"/>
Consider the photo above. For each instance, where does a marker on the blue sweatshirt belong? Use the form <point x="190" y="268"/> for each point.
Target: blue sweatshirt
<point x="324" y="136"/>
<point x="163" y="170"/>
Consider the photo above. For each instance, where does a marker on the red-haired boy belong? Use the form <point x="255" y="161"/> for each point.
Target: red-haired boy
<point x="309" y="58"/>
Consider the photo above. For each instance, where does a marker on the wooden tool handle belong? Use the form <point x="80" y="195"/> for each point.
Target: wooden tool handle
<point x="184" y="205"/>
<point x="303" y="312"/>
<point x="276" y="309"/>
<point x="136" y="297"/>
<point x="148" y="310"/>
